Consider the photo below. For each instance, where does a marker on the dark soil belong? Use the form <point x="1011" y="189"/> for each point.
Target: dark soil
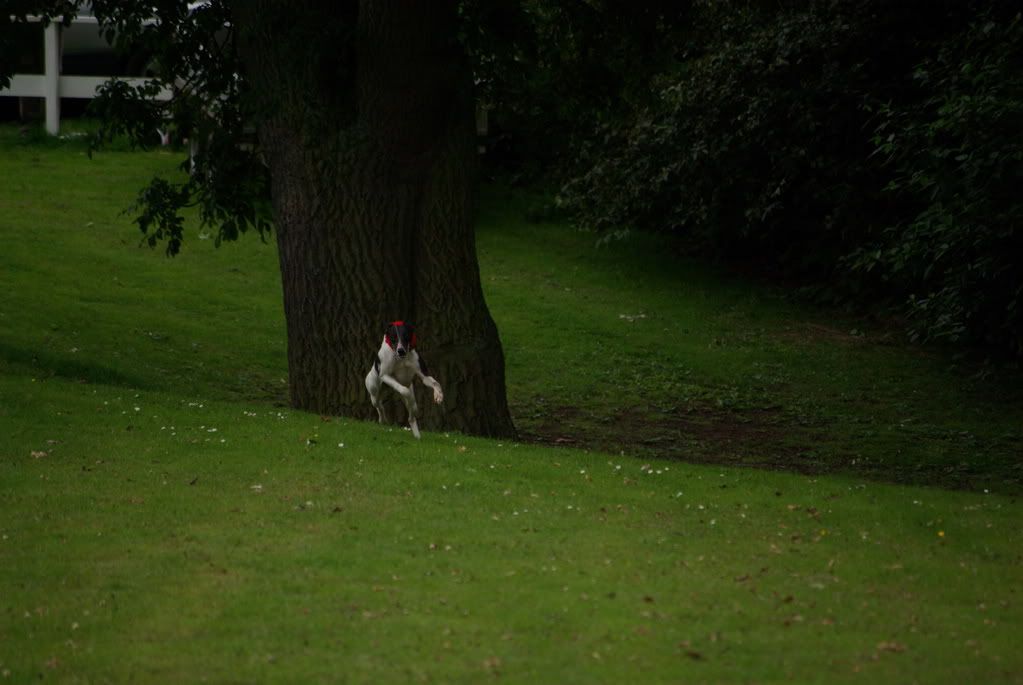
<point x="759" y="438"/>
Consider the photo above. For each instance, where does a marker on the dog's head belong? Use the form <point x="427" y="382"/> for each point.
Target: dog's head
<point x="400" y="337"/>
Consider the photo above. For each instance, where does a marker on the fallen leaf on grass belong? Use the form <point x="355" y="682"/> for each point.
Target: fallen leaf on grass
<point x="892" y="646"/>
<point x="39" y="454"/>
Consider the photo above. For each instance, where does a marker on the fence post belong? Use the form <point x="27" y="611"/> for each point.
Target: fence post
<point x="51" y="87"/>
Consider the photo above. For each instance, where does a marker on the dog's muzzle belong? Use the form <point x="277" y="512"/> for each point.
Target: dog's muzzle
<point x="402" y="352"/>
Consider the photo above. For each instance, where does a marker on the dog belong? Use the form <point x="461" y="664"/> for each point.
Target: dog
<point x="397" y="365"/>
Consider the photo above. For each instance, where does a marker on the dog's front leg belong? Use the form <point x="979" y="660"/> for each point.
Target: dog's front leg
<point x="431" y="382"/>
<point x="408" y="397"/>
<point x="427" y="380"/>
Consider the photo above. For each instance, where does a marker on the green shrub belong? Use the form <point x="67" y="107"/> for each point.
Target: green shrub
<point x="865" y="146"/>
<point x="755" y="147"/>
<point x="957" y="158"/>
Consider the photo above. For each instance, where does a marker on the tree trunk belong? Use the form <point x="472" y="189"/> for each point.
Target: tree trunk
<point x="367" y="129"/>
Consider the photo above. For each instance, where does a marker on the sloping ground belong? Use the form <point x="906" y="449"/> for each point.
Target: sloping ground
<point x="627" y="347"/>
<point x="162" y="520"/>
<point x="162" y="537"/>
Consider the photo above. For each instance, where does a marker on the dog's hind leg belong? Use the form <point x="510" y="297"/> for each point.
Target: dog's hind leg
<point x="373" y="386"/>
<point x="409" y="398"/>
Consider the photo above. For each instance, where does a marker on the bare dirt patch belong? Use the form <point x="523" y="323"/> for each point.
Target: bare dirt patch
<point x="761" y="438"/>
<point x="813" y="333"/>
<point x="755" y="437"/>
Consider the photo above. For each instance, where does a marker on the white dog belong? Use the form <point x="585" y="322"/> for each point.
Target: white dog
<point x="398" y="364"/>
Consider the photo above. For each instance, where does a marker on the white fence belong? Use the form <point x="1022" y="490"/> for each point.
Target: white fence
<point x="52" y="86"/>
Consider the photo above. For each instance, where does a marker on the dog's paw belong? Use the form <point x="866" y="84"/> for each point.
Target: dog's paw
<point x="438" y="396"/>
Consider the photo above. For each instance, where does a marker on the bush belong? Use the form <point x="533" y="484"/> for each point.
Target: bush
<point x="755" y="146"/>
<point x="818" y="139"/>
<point x="957" y="160"/>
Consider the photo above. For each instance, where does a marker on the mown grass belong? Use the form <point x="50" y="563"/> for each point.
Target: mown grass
<point x="164" y="519"/>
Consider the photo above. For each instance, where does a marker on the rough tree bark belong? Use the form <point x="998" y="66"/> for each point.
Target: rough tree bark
<point x="367" y="127"/>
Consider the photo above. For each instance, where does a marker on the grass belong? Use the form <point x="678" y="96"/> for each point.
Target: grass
<point x="663" y="356"/>
<point x="164" y="519"/>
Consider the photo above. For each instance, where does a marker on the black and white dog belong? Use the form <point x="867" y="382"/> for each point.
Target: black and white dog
<point x="398" y="364"/>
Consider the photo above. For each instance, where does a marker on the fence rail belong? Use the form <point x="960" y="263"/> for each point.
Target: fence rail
<point x="51" y="86"/>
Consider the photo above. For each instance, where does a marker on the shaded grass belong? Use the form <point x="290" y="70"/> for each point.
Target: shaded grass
<point x="210" y="319"/>
<point x="646" y="351"/>
<point x="164" y="519"/>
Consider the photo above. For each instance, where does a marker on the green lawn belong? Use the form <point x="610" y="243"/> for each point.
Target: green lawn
<point x="165" y="518"/>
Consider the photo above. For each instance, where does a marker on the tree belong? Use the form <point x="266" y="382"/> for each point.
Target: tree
<point x="357" y="117"/>
<point x="552" y="69"/>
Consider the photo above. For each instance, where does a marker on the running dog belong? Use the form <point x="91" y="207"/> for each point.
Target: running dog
<point x="398" y="364"/>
